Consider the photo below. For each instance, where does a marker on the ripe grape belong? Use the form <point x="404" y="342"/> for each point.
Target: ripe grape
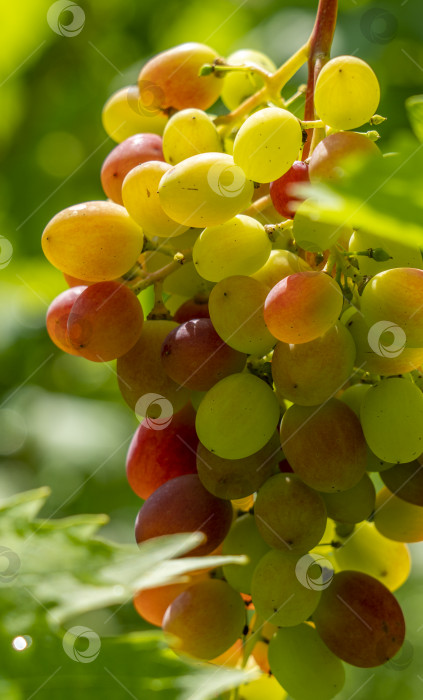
<point x="75" y="282"/>
<point x="124" y="115"/>
<point x="184" y="505"/>
<point x="156" y="456"/>
<point x="140" y="372"/>
<point x="231" y="657"/>
<point x="313" y="234"/>
<point x="309" y="373"/>
<point x="402" y="255"/>
<point x="283" y="191"/>
<point x="302" y="307"/>
<point x="237" y="416"/>
<point x="267" y="144"/>
<point x="131" y="152"/>
<point x="152" y="603"/>
<point x="405" y="481"/>
<point x="171" y="79"/>
<point x="398" y="520"/>
<point x="359" y="619"/>
<point x="333" y="151"/>
<point x="238" y="478"/>
<point x="392" y="420"/>
<point x="245" y="242"/>
<point x="194" y="356"/>
<point x="238" y="85"/>
<point x="57" y="318"/>
<point x="105" y="321"/>
<point x="205" y="190"/>
<point x="141" y="199"/>
<point x="95" y="241"/>
<point x="303" y="664"/>
<point x="198" y="307"/>
<point x="280" y="264"/>
<point x="353" y="505"/>
<point x="347" y="93"/>
<point x="243" y="538"/>
<point x="188" y="133"/>
<point x="236" y="311"/>
<point x="206" y="619"/>
<point x="325" y="446"/>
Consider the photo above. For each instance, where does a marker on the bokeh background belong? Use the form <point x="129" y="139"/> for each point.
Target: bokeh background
<point x="62" y="421"/>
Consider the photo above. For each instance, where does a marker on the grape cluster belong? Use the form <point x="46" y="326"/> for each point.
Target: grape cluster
<point x="265" y="376"/>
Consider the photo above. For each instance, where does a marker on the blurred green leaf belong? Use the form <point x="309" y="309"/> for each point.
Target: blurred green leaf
<point x="414" y="107"/>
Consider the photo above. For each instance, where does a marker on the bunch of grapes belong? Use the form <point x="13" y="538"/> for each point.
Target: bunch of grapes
<point x="275" y="370"/>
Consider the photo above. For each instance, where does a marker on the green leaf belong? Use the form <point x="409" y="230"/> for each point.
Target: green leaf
<point x="414" y="106"/>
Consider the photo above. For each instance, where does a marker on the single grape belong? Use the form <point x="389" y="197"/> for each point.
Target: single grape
<point x="205" y="190"/>
<point x="57" y="318"/>
<point x="152" y="603"/>
<point x="325" y="446"/>
<point x="184" y="505"/>
<point x="283" y="191"/>
<point x="359" y="619"/>
<point x="131" y="152"/>
<point x="347" y="93"/>
<point x="124" y="115"/>
<point x="198" y="307"/>
<point x="238" y="478"/>
<point x="263" y="687"/>
<point x="402" y="255"/>
<point x="398" y="520"/>
<point x="267" y="144"/>
<point x="188" y="133"/>
<point x="405" y="481"/>
<point x="302" y="307"/>
<point x="206" y="619"/>
<point x="171" y="79"/>
<point x="313" y="234"/>
<point x="243" y="538"/>
<point x="236" y="311"/>
<point x="309" y="373"/>
<point x="95" y="241"/>
<point x="353" y="396"/>
<point x="238" y="85"/>
<point x="329" y="156"/>
<point x="240" y="246"/>
<point x="289" y="515"/>
<point x="392" y="420"/>
<point x="303" y="664"/>
<point x="353" y="505"/>
<point x="280" y="264"/>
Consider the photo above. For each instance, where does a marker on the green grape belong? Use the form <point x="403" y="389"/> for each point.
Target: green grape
<point x="124" y="116"/>
<point x="239" y="85"/>
<point x="188" y="133"/>
<point x="185" y="281"/>
<point x="267" y="144"/>
<point x="303" y="664"/>
<point x="402" y="255"/>
<point x="313" y="234"/>
<point x="238" y="478"/>
<point x="206" y="619"/>
<point x="397" y="296"/>
<point x="347" y="93"/>
<point x="398" y="520"/>
<point x="359" y="619"/>
<point x="243" y="538"/>
<point x="374" y="464"/>
<point x="236" y="310"/>
<point x="289" y="514"/>
<point x="237" y="247"/>
<point x="94" y="241"/>
<point x="140" y="197"/>
<point x="406" y="482"/>
<point x="368" y="551"/>
<point x="309" y="373"/>
<point x="353" y="505"/>
<point x="277" y="591"/>
<point x="205" y="190"/>
<point x="237" y="417"/>
<point x="392" y="420"/>
<point x="325" y="446"/>
<point x="353" y="396"/>
<point x="280" y="264"/>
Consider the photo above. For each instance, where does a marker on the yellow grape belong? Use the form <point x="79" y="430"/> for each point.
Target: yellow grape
<point x="264" y="687"/>
<point x="239" y="85"/>
<point x="267" y="144"/>
<point x="280" y="264"/>
<point x="124" y="115"/>
<point x="188" y="133"/>
<point x="237" y="247"/>
<point x="398" y="520"/>
<point x="93" y="241"/>
<point x="205" y="190"/>
<point x="347" y="93"/>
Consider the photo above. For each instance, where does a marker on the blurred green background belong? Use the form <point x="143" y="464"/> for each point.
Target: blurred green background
<point x="62" y="421"/>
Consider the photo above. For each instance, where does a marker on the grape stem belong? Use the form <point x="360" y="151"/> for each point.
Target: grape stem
<point x="259" y="205"/>
<point x="145" y="281"/>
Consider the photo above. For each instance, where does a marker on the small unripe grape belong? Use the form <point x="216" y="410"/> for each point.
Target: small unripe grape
<point x="188" y="133"/>
<point x="238" y="85"/>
